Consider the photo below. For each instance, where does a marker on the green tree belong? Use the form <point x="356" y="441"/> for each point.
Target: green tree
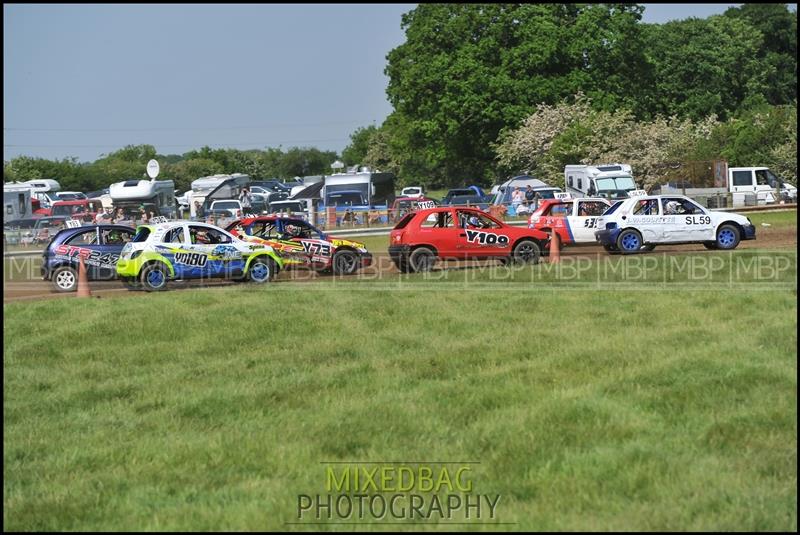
<point x="466" y="72"/>
<point x="704" y="66"/>
<point x="356" y="152"/>
<point x="778" y="50"/>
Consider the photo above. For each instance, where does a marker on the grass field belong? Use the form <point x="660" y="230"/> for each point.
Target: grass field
<point x="662" y="405"/>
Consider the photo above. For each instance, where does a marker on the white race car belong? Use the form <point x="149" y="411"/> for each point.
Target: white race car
<point x="650" y="220"/>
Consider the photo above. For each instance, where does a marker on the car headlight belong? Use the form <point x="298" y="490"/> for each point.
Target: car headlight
<point x="610" y="226"/>
<point x="136" y="254"/>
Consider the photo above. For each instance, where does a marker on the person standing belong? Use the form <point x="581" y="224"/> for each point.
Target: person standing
<point x="246" y="200"/>
<point x="199" y="213"/>
<point x="529" y="195"/>
<point x="516" y="198"/>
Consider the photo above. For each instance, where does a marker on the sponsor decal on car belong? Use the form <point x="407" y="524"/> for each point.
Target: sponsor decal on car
<point x="90" y="257"/>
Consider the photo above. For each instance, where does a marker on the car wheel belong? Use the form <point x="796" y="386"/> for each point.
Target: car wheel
<point x="421" y="259"/>
<point x="710" y="245"/>
<point x="526" y="252"/>
<point x="154" y="277"/>
<point x="345" y="262"/>
<point x="65" y="279"/>
<point x="262" y="270"/>
<point x="629" y="241"/>
<point x="727" y="237"/>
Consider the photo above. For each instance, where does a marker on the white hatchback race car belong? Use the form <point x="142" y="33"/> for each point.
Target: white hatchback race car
<point x="181" y="250"/>
<point x="652" y="220"/>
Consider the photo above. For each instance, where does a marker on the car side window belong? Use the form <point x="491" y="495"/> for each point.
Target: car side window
<point x="679" y="206"/>
<point x="263" y="229"/>
<point x="646" y="207"/>
<point x="214" y="236"/>
<point x="174" y="235"/>
<point x="116" y="236"/>
<point x="560" y="210"/>
<point x="591" y="208"/>
<point x="84" y="238"/>
<point x="438" y="220"/>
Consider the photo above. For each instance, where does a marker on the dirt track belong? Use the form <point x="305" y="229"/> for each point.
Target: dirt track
<point x="31" y="287"/>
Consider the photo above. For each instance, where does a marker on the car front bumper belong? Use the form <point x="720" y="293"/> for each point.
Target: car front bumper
<point x="749" y="232"/>
<point x="607" y="236"/>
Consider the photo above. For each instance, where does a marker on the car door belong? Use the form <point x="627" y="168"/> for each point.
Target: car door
<point x="484" y="235"/>
<point x="646" y="217"/>
<point x="439" y="230"/>
<point x="221" y="257"/>
<point x="319" y="251"/>
<point x="583" y="219"/>
<point x="687" y="220"/>
<point x="85" y="245"/>
<point x="111" y="242"/>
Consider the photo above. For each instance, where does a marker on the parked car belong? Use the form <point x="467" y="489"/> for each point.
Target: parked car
<point x="301" y="244"/>
<point x="43" y="231"/>
<point x="412" y="191"/>
<point x="14" y="230"/>
<point x="402" y="205"/>
<point x="181" y="250"/>
<point x="421" y="237"/>
<point x="98" y="245"/>
<point x="652" y="220"/>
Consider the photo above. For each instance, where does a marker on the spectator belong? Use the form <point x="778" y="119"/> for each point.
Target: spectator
<point x="529" y="194"/>
<point x="119" y="216"/>
<point x="347" y="218"/>
<point x="199" y="213"/>
<point x="246" y="200"/>
<point x="106" y="216"/>
<point x="536" y="199"/>
<point x="516" y="198"/>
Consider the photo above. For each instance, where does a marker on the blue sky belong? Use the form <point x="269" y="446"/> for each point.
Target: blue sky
<point x="83" y="80"/>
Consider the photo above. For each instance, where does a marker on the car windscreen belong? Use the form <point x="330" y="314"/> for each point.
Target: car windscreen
<point x="613" y="208"/>
<point x="621" y="182"/>
<point x="141" y="234"/>
<point x="346" y="199"/>
<point x="226" y="205"/>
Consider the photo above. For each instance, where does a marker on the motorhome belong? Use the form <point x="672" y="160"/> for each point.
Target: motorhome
<point x="208" y="189"/>
<point x="610" y="181"/>
<point x="158" y="195"/>
<point x="44" y="190"/>
<point x="16" y="202"/>
<point x="361" y="190"/>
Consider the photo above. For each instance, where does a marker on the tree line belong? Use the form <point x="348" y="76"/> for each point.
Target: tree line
<point x="484" y="91"/>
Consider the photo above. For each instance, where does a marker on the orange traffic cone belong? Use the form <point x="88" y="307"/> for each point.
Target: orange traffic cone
<point x="83" y="281"/>
<point x="555" y="247"/>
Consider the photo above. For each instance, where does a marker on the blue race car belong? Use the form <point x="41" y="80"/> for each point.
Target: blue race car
<point x="98" y="245"/>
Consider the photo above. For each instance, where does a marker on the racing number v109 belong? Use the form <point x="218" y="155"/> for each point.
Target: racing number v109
<point x="486" y="238"/>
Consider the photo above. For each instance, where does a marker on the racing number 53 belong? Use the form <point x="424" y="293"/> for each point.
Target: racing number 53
<point x="590" y="222"/>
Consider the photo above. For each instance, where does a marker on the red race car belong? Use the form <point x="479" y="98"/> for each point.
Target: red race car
<point x="573" y="219"/>
<point x="460" y="233"/>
